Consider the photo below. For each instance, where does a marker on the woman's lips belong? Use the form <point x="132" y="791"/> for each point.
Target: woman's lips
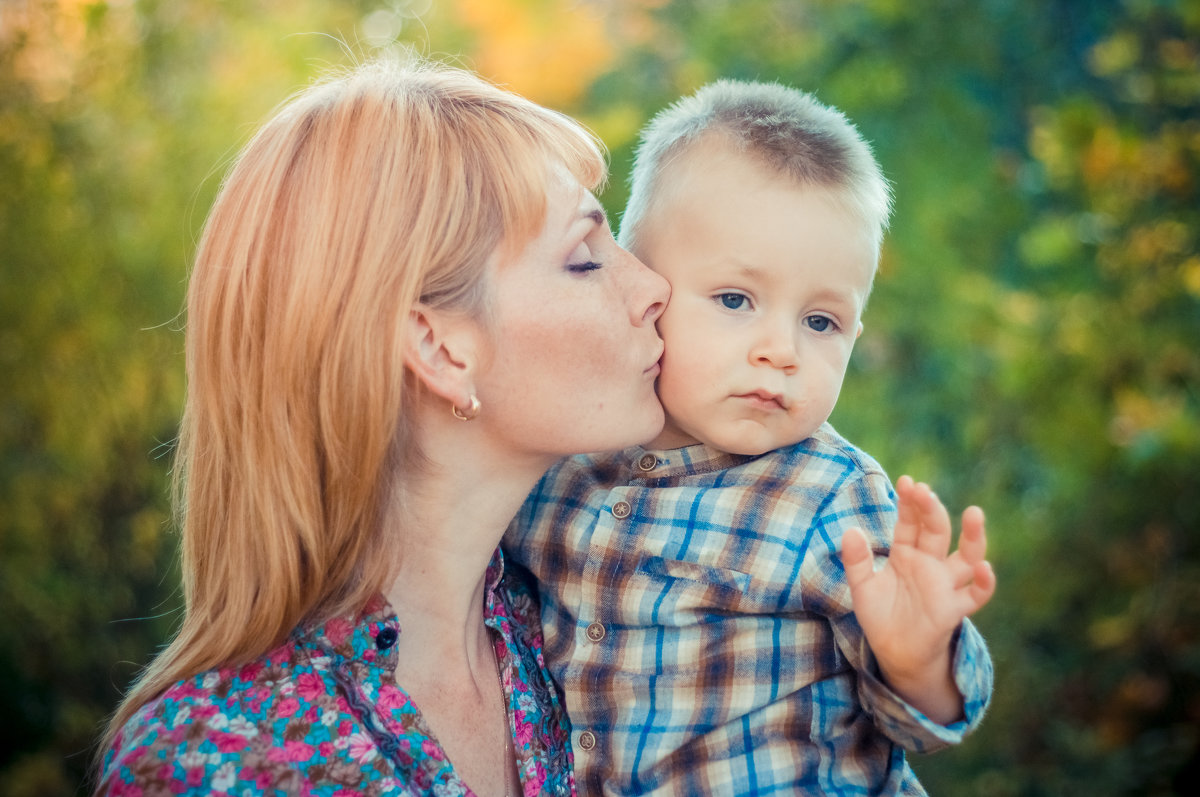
<point x="655" y="367"/>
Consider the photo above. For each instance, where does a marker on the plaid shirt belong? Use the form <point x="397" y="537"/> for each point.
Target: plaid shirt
<point x="697" y="616"/>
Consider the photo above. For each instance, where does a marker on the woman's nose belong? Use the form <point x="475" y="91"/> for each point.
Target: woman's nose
<point x="651" y="293"/>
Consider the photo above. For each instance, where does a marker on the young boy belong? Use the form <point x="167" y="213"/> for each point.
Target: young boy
<point x="710" y="603"/>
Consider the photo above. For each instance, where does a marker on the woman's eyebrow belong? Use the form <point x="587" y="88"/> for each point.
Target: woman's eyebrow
<point x="597" y="215"/>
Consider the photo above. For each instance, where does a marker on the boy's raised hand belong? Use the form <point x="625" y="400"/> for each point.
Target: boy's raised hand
<point x="910" y="608"/>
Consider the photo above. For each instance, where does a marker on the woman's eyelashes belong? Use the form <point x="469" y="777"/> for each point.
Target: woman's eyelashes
<point x="584" y="258"/>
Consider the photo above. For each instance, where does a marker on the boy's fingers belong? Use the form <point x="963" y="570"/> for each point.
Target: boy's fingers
<point x="857" y="558"/>
<point x="934" y="538"/>
<point x="972" y="543"/>
<point x="983" y="586"/>
<point x="961" y="571"/>
<point x="908" y="514"/>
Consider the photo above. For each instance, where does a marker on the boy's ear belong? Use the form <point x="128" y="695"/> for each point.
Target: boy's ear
<point x="858" y="334"/>
<point x="441" y="352"/>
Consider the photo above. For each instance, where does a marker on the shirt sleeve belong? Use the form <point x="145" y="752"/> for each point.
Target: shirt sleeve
<point x="868" y="503"/>
<point x="909" y="727"/>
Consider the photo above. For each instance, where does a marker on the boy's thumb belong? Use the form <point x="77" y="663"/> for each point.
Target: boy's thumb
<point x="857" y="558"/>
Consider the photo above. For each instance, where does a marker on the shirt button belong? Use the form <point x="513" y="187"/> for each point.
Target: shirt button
<point x="621" y="510"/>
<point x="587" y="740"/>
<point x="647" y="462"/>
<point x="386" y="638"/>
<point x="595" y="632"/>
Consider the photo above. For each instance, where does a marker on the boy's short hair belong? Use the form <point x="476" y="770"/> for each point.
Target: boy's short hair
<point x="788" y="129"/>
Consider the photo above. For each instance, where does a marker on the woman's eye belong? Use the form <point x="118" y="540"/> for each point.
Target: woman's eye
<point x="732" y="301"/>
<point x="820" y="323"/>
<point x="582" y="259"/>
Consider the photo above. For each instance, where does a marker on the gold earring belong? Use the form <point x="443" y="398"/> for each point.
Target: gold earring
<point x="472" y="410"/>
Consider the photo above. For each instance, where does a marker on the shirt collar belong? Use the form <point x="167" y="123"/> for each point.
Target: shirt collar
<point x="677" y="462"/>
<point x="493" y="609"/>
<point x="495" y="572"/>
<point x="356" y="637"/>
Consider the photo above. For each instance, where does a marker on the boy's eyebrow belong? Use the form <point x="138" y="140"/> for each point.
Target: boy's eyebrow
<point x="751" y="271"/>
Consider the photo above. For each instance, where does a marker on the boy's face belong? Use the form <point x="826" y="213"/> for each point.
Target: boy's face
<point x="768" y="281"/>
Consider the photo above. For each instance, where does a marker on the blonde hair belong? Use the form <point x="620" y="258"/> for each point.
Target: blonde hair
<point x="388" y="185"/>
<point x="787" y="129"/>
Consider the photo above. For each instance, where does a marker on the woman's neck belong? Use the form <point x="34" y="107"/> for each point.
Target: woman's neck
<point x="452" y="518"/>
<point x="449" y="522"/>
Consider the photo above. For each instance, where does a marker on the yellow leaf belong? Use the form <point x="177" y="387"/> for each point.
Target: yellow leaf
<point x="547" y="50"/>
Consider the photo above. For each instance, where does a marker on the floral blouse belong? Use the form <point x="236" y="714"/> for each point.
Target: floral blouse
<point x="323" y="715"/>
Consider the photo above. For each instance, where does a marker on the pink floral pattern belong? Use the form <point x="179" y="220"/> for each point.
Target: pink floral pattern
<point x="322" y="715"/>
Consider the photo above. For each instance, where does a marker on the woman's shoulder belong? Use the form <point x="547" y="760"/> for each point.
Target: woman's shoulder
<point x="223" y="727"/>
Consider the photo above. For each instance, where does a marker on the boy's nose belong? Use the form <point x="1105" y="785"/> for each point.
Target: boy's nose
<point x="778" y="349"/>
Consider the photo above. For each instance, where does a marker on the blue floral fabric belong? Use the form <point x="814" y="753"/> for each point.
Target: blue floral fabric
<point x="323" y="715"/>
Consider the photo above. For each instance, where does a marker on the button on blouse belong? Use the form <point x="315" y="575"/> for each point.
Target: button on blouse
<point x="386" y="638"/>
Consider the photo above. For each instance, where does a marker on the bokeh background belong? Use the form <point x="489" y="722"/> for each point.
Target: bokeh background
<point x="1033" y="343"/>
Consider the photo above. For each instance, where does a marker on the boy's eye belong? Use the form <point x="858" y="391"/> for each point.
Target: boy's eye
<point x="732" y="301"/>
<point x="819" y="323"/>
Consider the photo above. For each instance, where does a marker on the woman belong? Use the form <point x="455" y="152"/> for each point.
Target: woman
<point x="405" y="306"/>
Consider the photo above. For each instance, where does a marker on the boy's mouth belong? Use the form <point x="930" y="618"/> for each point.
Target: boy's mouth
<point x="764" y="399"/>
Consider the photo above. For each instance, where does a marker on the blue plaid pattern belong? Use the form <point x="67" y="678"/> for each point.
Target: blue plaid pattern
<point x="696" y="615"/>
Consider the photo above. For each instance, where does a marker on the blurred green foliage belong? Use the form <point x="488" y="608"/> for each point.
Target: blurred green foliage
<point x="1033" y="343"/>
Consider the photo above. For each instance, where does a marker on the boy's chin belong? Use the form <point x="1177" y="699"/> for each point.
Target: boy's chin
<point x="752" y="445"/>
<point x="672" y="437"/>
<point x="746" y="450"/>
<point x="744" y="438"/>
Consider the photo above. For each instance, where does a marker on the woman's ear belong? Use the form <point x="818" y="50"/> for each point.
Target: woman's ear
<point x="441" y="351"/>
